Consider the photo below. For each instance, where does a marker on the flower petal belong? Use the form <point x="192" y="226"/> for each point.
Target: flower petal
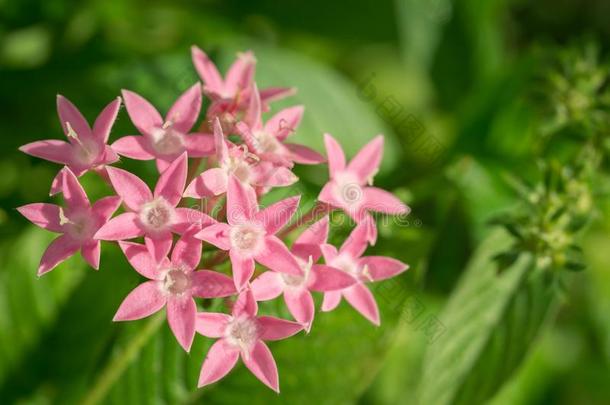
<point x="133" y="191"/>
<point x="209" y="183"/>
<point x="241" y="201"/>
<point x="51" y="150"/>
<point x="73" y="193"/>
<point x="104" y="122"/>
<point x="134" y="147"/>
<point x="378" y="200"/>
<point x="142" y="301"/>
<point x="329" y="252"/>
<point x="185" y="111"/>
<point x="285" y="122"/>
<point x="253" y="116"/>
<point x="105" y="207"/>
<point x="123" y="226"/>
<point x="211" y="324"/>
<point x="245" y="304"/>
<point x="243" y="268"/>
<point x="159" y="245"/>
<point x="274" y="217"/>
<point x="366" y="162"/>
<point x="43" y="215"/>
<point x="325" y="278"/>
<point x="363" y="301"/>
<point x="241" y="73"/>
<point x="211" y="284"/>
<point x="331" y="300"/>
<point x="207" y="70"/>
<point x="300" y="304"/>
<point x="381" y="268"/>
<point x="309" y="242"/>
<point x="336" y="157"/>
<point x="357" y="241"/>
<point x="199" y="145"/>
<point x="221" y="359"/>
<point x="267" y="286"/>
<point x="141" y="260"/>
<point x="187" y="251"/>
<point x="59" y="250"/>
<point x="276" y="93"/>
<point x="187" y="218"/>
<point x="172" y="181"/>
<point x="276" y="256"/>
<point x="181" y="314"/>
<point x="268" y="175"/>
<point x="273" y="328"/>
<point x="216" y="234"/>
<point x="261" y="363"/>
<point x="144" y="116"/>
<point x="91" y="253"/>
<point x="304" y="155"/>
<point x="68" y="113"/>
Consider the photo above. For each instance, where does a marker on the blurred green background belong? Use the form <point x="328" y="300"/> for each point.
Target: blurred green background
<point x="454" y="86"/>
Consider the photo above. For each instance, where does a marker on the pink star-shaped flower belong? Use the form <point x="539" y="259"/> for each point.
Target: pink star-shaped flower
<point x="349" y="185"/>
<point x="235" y="161"/>
<point x="77" y="222"/>
<point x="152" y="215"/>
<point x="164" y="140"/>
<point x="242" y="334"/>
<point x="172" y="284"/>
<point x="313" y="277"/>
<point x="364" y="269"/>
<point x="249" y="235"/>
<point x="267" y="141"/>
<point x="86" y="149"/>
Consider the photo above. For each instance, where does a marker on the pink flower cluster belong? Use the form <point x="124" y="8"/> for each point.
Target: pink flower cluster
<point x="239" y="170"/>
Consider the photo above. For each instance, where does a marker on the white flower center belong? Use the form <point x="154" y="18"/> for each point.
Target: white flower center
<point x="157" y="214"/>
<point x="80" y="226"/>
<point x="168" y="141"/>
<point x="239" y="167"/>
<point x="346" y="264"/>
<point x="266" y="142"/>
<point x="176" y="281"/>
<point x="242" y="332"/>
<point x="84" y="152"/>
<point x="246" y="237"/>
<point x="348" y="190"/>
<point x="298" y="281"/>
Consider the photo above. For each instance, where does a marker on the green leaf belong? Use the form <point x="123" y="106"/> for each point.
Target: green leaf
<point x="491" y="321"/>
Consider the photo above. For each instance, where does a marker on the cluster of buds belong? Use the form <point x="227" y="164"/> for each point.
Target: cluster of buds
<point x="163" y="239"/>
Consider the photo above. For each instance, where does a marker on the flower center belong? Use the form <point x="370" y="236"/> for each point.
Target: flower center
<point x="239" y="167"/>
<point x="246" y="237"/>
<point x="293" y="281"/>
<point x="79" y="226"/>
<point x="168" y="141"/>
<point x="177" y="282"/>
<point x="348" y="190"/>
<point x="157" y="214"/>
<point x="266" y="142"/>
<point x="346" y="264"/>
<point x="242" y="332"/>
<point x="84" y="152"/>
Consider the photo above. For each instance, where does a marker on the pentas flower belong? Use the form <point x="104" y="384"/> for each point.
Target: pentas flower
<point x="313" y="277"/>
<point x="365" y="269"/>
<point x="86" y="149"/>
<point x="242" y="334"/>
<point x="152" y="215"/>
<point x="77" y="222"/>
<point x="349" y="187"/>
<point x="172" y="284"/>
<point x="267" y="141"/>
<point x="249" y="235"/>
<point x="236" y="161"/>
<point x="164" y="139"/>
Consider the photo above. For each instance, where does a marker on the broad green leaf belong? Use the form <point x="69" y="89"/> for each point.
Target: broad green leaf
<point x="491" y="319"/>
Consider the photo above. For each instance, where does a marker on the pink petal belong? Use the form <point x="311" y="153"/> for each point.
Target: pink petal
<point x="69" y="113"/>
<point x="273" y="328"/>
<point x="336" y="157"/>
<point x="129" y="187"/>
<point x="159" y="244"/>
<point x="43" y="215"/>
<point x="381" y="268"/>
<point x="185" y="110"/>
<point x="304" y="155"/>
<point x="266" y="174"/>
<point x="327" y="196"/>
<point x="220" y="144"/>
<point x="274" y="217"/>
<point x="52" y="150"/>
<point x="285" y="122"/>
<point x="144" y="116"/>
<point x="163" y="162"/>
<point x="73" y="193"/>
<point x="172" y="181"/>
<point x="325" y="278"/>
<point x="105" y="207"/>
<point x="123" y="226"/>
<point x="211" y="324"/>
<point x="143" y="301"/>
<point x="276" y="93"/>
<point x="134" y="147"/>
<point x="141" y="260"/>
<point x="261" y="363"/>
<point x="241" y="202"/>
<point x="241" y="73"/>
<point x="211" y="284"/>
<point x="300" y="304"/>
<point x="378" y="200"/>
<point x="217" y="235"/>
<point x="363" y="301"/>
<point x="357" y="241"/>
<point x="59" y="250"/>
<point x="366" y="163"/>
<point x="221" y="359"/>
<point x="104" y="122"/>
<point x="199" y="145"/>
<point x="276" y="256"/>
<point x="206" y="69"/>
<point x="267" y="286"/>
<point x="91" y="253"/>
<point x="253" y="113"/>
<point x="187" y="251"/>
<point x="245" y="304"/>
<point x="309" y="242"/>
<point x="329" y="252"/>
<point x="187" y="218"/>
<point x="243" y="268"/>
<point x="181" y="314"/>
<point x="331" y="300"/>
<point x="209" y="183"/>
